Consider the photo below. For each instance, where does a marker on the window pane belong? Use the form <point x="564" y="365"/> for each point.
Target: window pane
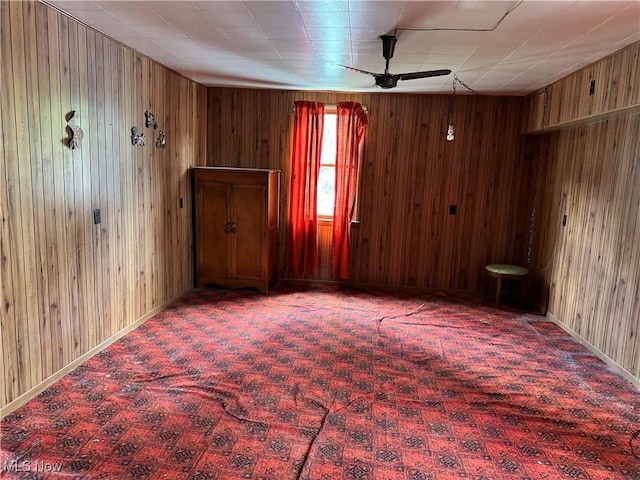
<point x="326" y="190"/>
<point x="328" y="156"/>
<point x="327" y="177"/>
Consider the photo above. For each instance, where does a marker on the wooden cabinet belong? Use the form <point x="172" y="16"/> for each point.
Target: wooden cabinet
<point x="236" y="226"/>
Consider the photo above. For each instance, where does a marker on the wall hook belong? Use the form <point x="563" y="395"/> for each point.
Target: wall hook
<point x="137" y="138"/>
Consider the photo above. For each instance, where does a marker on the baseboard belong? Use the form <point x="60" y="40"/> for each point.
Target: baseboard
<point x="46" y="383"/>
<point x="618" y="368"/>
<point x="449" y="294"/>
<point x="381" y="286"/>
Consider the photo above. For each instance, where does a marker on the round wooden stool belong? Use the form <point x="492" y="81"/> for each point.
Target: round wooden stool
<point x="507" y="272"/>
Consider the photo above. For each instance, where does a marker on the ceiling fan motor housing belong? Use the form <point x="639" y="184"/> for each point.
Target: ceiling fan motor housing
<point x="388" y="45"/>
<point x="386" y="81"/>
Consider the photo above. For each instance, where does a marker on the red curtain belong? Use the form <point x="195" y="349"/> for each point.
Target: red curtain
<point x="351" y="122"/>
<point x="302" y="237"/>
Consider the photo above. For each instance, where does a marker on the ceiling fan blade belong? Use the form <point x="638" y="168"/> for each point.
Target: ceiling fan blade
<point x="357" y="70"/>
<point x="425" y="74"/>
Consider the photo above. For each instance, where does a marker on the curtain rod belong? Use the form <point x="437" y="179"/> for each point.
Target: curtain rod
<point x="334" y="106"/>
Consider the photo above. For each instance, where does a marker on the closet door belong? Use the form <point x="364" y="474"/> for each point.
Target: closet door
<point x="250" y="236"/>
<point x="213" y="250"/>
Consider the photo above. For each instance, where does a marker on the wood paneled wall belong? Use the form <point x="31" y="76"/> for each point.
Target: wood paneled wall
<point x="410" y="175"/>
<point x="587" y="273"/>
<point x="568" y="101"/>
<point x="69" y="285"/>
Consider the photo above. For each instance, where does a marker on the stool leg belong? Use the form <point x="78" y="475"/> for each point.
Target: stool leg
<point x="485" y="287"/>
<point x="498" y="287"/>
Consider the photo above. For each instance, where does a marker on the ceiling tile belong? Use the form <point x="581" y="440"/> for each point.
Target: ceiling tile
<point x="282" y="20"/>
<point x="329" y="46"/>
<point x="284" y="8"/>
<point x="261" y="54"/>
<point x="292" y="46"/>
<point x="391" y="8"/>
<point x="377" y="20"/>
<point x="447" y="60"/>
<point x="425" y="14"/>
<point x="232" y="6"/>
<point x="216" y="48"/>
<point x="322" y="5"/>
<point x="456" y="43"/>
<point x="229" y="18"/>
<point x="160" y="31"/>
<point x="169" y="9"/>
<point x="480" y="15"/>
<point x="136" y="17"/>
<point x="325" y="19"/>
<point x="203" y="32"/>
<point x="298" y="43"/>
<point x="179" y="44"/>
<point x="329" y="34"/>
<point x="117" y="4"/>
<point x="291" y="34"/>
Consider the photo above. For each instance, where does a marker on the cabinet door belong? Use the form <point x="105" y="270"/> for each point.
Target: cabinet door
<point x="249" y="209"/>
<point x="213" y="245"/>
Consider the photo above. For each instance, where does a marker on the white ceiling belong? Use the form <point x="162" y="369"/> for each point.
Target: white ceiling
<point x="294" y="44"/>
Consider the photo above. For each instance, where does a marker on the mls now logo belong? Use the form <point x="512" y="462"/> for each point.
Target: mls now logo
<point x="30" y="466"/>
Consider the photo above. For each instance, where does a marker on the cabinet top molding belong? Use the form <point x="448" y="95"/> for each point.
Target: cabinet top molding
<point x="238" y="169"/>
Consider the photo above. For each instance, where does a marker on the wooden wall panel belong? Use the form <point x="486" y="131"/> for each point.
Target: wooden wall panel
<point x="68" y="285"/>
<point x="588" y="272"/>
<point x="410" y="175"/>
<point x="569" y="101"/>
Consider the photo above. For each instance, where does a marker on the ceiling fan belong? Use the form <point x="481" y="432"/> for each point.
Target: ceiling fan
<point x="390" y="80"/>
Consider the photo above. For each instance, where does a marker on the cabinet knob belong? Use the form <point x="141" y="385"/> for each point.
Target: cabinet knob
<point x="231" y="227"/>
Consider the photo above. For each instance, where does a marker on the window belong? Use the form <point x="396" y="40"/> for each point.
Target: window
<point x="327" y="177"/>
<point x="333" y="176"/>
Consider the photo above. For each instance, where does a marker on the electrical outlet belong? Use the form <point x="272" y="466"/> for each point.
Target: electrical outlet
<point x="96" y="216"/>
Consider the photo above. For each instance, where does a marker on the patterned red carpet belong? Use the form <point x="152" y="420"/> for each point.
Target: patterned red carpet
<point x="329" y="384"/>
